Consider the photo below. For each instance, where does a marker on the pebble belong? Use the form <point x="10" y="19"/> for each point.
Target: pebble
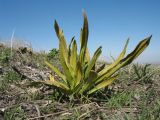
<point x="1" y="70"/>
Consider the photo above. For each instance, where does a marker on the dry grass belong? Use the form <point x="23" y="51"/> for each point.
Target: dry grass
<point x="135" y="94"/>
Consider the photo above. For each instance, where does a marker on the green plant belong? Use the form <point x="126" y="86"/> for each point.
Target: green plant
<point x="79" y="76"/>
<point x="150" y="106"/>
<point x="121" y="99"/>
<point x="16" y="113"/>
<point x="5" y="55"/>
<point x="53" y="53"/>
<point x="9" y="77"/>
<point x="12" y="76"/>
<point x="3" y="85"/>
<point x="142" y="73"/>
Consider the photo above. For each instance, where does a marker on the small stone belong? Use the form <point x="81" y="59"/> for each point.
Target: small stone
<point x="137" y="96"/>
<point x="1" y="70"/>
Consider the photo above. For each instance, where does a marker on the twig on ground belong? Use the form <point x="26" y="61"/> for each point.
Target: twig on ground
<point x="48" y="115"/>
<point x="21" y="74"/>
<point x="38" y="111"/>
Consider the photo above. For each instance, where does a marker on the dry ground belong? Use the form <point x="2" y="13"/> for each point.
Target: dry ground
<point x="135" y="95"/>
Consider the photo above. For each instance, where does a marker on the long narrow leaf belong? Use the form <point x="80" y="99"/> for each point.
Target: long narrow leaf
<point x="59" y="84"/>
<point x="128" y="59"/>
<point x="102" y="84"/>
<point x="69" y="49"/>
<point x="73" y="59"/>
<point x="62" y="42"/>
<point x="93" y="61"/>
<point x="54" y="69"/>
<point x="89" y="82"/>
<point x="137" y="51"/>
<point x="78" y="74"/>
<point x="84" y="40"/>
<point x="68" y="72"/>
<point x="101" y="68"/>
<point x="120" y="57"/>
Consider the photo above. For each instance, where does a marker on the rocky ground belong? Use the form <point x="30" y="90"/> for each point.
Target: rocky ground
<point x="134" y="96"/>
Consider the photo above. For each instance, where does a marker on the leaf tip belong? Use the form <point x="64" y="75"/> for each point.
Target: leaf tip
<point x="148" y="39"/>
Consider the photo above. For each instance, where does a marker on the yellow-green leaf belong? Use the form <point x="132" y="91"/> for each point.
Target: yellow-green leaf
<point x="93" y="61"/>
<point x="68" y="72"/>
<point x="78" y="73"/>
<point x="54" y="69"/>
<point x="102" y="84"/>
<point x="62" y="42"/>
<point x="125" y="61"/>
<point x="101" y="68"/>
<point x="120" y="57"/>
<point x="73" y="59"/>
<point x="58" y="84"/>
<point x="84" y="40"/>
<point x="89" y="81"/>
<point x="136" y="52"/>
<point x="69" y="49"/>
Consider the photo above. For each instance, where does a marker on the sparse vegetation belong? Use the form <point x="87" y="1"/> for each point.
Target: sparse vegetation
<point x="16" y="113"/>
<point x="143" y="73"/>
<point x="5" y="56"/>
<point x="127" y="98"/>
<point x="53" y="53"/>
<point x="135" y="95"/>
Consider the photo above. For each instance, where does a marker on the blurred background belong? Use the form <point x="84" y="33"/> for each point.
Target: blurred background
<point x="111" y="22"/>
